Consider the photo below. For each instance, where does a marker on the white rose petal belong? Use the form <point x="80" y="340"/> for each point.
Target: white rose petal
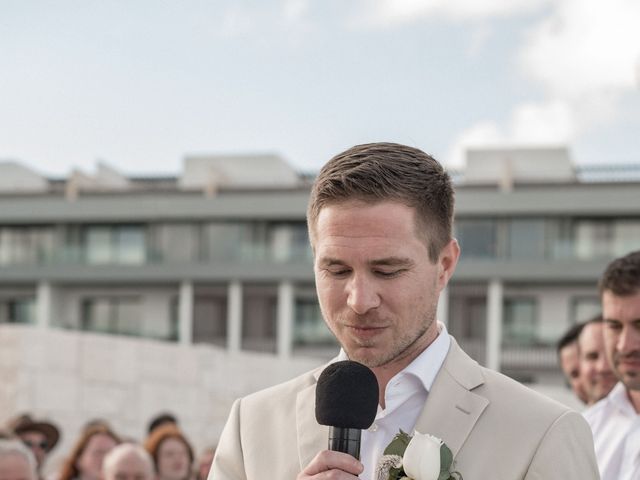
<point x="421" y="460"/>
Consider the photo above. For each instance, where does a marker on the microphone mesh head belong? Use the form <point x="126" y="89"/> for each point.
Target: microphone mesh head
<point x="347" y="396"/>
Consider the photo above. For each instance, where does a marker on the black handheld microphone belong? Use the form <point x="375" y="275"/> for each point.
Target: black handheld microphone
<point x="347" y="402"/>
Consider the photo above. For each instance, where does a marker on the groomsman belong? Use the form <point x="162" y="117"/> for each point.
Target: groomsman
<point x="614" y="420"/>
<point x="569" y="359"/>
<point x="596" y="375"/>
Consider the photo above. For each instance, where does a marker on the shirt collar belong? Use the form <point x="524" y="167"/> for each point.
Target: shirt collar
<point x="425" y="366"/>
<point x="619" y="399"/>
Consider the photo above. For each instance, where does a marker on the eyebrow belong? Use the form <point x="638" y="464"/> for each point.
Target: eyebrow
<point x="388" y="261"/>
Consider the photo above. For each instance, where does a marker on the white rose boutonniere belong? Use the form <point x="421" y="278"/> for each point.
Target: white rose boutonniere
<point x="421" y="457"/>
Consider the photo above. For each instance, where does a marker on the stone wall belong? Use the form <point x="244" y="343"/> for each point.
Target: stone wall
<point x="70" y="377"/>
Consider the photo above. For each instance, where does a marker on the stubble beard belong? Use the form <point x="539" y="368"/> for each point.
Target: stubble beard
<point x="402" y="348"/>
<point x="630" y="378"/>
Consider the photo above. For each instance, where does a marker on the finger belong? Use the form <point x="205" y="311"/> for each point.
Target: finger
<point x="329" y="460"/>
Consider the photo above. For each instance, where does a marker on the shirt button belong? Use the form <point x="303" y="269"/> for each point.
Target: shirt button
<point x="373" y="428"/>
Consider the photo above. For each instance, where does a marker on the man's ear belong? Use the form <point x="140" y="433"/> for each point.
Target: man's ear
<point x="447" y="262"/>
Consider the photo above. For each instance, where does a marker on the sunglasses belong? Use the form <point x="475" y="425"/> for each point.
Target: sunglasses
<point x="41" y="445"/>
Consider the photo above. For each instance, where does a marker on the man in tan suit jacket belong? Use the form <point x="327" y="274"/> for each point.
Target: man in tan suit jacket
<point x="380" y="220"/>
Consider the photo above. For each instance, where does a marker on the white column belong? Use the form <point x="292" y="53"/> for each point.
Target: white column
<point x="285" y="319"/>
<point x="443" y="306"/>
<point x="185" y="313"/>
<point x="44" y="304"/>
<point x="494" y="323"/>
<point x="234" y="317"/>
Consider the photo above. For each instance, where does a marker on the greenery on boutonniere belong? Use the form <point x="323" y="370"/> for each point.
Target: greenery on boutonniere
<point x="421" y="457"/>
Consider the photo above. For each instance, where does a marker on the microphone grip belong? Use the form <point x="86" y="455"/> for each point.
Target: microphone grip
<point x="345" y="440"/>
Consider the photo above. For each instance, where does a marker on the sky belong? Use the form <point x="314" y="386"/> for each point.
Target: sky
<point x="140" y="84"/>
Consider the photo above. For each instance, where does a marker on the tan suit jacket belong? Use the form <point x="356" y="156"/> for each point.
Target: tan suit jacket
<point x="496" y="428"/>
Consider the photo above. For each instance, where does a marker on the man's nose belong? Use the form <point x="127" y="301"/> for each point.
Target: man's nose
<point x="362" y="294"/>
<point x="629" y="340"/>
<point x="602" y="365"/>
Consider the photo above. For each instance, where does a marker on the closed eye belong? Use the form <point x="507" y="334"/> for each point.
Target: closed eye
<point x="386" y="274"/>
<point x="338" y="272"/>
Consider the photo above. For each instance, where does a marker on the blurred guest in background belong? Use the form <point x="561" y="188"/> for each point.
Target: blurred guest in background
<point x="204" y="463"/>
<point x="128" y="461"/>
<point x="596" y="374"/>
<point x="40" y="436"/>
<point x="17" y="462"/>
<point x="569" y="358"/>
<point x="171" y="452"/>
<point x="86" y="457"/>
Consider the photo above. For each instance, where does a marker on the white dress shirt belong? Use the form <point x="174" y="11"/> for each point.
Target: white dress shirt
<point x="616" y="435"/>
<point x="404" y="400"/>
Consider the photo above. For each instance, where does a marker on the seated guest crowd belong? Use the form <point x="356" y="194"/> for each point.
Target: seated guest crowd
<point x="101" y="454"/>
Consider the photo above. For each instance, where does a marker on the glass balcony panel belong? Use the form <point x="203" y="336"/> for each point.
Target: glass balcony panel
<point x="309" y="328"/>
<point x="223" y="241"/>
<point x="129" y="245"/>
<point x="18" y="310"/>
<point x="98" y="246"/>
<point x="527" y="239"/>
<point x="114" y="315"/>
<point x="593" y="239"/>
<point x="626" y="237"/>
<point x="520" y="325"/>
<point x="478" y="238"/>
<point x="174" y="243"/>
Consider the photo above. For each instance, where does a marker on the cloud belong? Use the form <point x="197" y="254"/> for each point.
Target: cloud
<point x="586" y="57"/>
<point x="237" y="21"/>
<point x="585" y="47"/>
<point x="295" y="10"/>
<point x="531" y="124"/>
<point x="389" y="13"/>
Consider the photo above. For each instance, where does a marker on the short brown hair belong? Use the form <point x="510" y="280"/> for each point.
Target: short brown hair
<point x="622" y="276"/>
<point x="389" y="171"/>
<point x="159" y="435"/>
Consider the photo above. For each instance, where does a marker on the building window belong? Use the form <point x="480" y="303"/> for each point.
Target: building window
<point x="584" y="308"/>
<point x="289" y="242"/>
<point x="26" y="245"/>
<point x="626" y="237"/>
<point x="174" y="242"/>
<point x="478" y="238"/>
<point x="526" y="239"/>
<point x="560" y="239"/>
<point x="120" y="244"/>
<point x="210" y="319"/>
<point x="224" y="241"/>
<point x="18" y="310"/>
<point x="309" y="328"/>
<point x="520" y="322"/>
<point x="117" y="315"/>
<point x="593" y="239"/>
<point x="259" y="318"/>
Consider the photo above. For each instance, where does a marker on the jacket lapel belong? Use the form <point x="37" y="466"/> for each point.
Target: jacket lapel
<point x="312" y="437"/>
<point x="452" y="409"/>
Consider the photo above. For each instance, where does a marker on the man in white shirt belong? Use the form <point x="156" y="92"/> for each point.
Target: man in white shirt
<point x="380" y="224"/>
<point x="569" y="360"/>
<point x="614" y="420"/>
